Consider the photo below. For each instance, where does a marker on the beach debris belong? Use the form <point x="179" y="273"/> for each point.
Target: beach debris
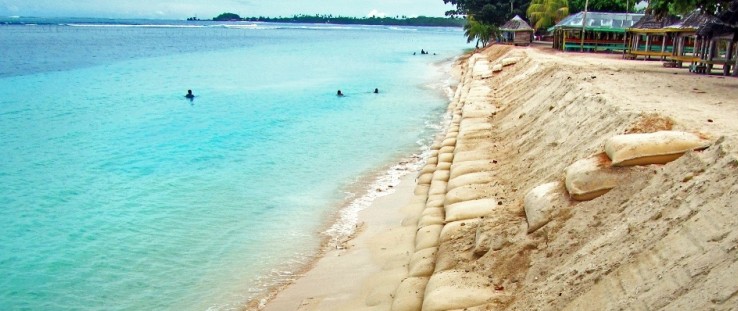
<point x="592" y="177"/>
<point x="651" y="148"/>
<point x="497" y="68"/>
<point x="541" y="202"/>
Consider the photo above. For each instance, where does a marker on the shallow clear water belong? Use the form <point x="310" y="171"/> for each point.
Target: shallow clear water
<point x="118" y="193"/>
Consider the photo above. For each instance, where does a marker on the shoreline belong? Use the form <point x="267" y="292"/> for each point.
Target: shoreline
<point x="393" y="181"/>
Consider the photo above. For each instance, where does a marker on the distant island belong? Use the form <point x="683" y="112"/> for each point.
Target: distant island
<point x="342" y="20"/>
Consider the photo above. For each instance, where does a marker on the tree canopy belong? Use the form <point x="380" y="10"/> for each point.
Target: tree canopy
<point x="546" y="13"/>
<point x="491" y="12"/>
<point x="679" y="7"/>
<point x="227" y="17"/>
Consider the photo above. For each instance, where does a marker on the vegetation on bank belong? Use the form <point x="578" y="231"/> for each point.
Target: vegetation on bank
<point x="485" y="16"/>
<point x="451" y="21"/>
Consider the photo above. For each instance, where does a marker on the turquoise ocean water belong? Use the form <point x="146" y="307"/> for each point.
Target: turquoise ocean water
<point x="117" y="193"/>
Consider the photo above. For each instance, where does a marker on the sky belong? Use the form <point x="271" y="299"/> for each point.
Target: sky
<point x="205" y="9"/>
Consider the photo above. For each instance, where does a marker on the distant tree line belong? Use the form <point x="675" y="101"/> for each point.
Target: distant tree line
<point x="343" y="20"/>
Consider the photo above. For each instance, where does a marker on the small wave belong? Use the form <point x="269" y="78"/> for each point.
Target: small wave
<point x="134" y="26"/>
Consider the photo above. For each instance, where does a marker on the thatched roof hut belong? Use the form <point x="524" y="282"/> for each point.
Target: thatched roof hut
<point x="649" y="37"/>
<point x="517" y="31"/>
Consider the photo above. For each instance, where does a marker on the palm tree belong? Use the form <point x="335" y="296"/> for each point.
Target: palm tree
<point x="474" y="30"/>
<point x="546" y="13"/>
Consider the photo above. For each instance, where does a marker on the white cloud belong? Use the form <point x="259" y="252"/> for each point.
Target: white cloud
<point x="376" y="13"/>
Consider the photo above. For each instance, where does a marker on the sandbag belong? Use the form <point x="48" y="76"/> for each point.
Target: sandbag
<point x="509" y="61"/>
<point x="468" y="193"/>
<point x="409" y="294"/>
<point x="470" y="179"/>
<point x="463" y="168"/>
<point x="452" y="230"/>
<point x="474" y="155"/>
<point x="497" y="68"/>
<point x="446" y="149"/>
<point x="437" y="187"/>
<point x="445" y="166"/>
<point x="651" y="148"/>
<point x="441" y="175"/>
<point x="446" y="157"/>
<point x="592" y="177"/>
<point x="449" y="142"/>
<point x="425" y="179"/>
<point x="432" y="216"/>
<point x="428" y="236"/>
<point x="421" y="189"/>
<point x="470" y="209"/>
<point x="423" y="262"/>
<point x="541" y="202"/>
<point x="457" y="289"/>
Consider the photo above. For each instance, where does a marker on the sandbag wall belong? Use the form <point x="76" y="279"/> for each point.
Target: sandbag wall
<point x="451" y="188"/>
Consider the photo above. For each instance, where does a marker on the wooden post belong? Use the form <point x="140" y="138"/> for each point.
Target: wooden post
<point x="663" y="46"/>
<point x="728" y="55"/>
<point x="710" y="55"/>
<point x="584" y="24"/>
<point x="735" y="67"/>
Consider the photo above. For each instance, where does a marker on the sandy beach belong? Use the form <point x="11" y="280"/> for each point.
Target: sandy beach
<point x="491" y="221"/>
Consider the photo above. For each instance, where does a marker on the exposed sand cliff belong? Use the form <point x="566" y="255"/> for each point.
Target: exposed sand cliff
<point x="662" y="238"/>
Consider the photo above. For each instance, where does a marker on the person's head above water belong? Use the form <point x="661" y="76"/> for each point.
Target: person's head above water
<point x="376" y="90"/>
<point x="189" y="94"/>
<point x="339" y="93"/>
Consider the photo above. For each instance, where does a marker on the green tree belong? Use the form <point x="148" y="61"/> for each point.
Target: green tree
<point x="227" y="17"/>
<point x="475" y="30"/>
<point x="490" y="12"/>
<point x="618" y="6"/>
<point x="680" y="7"/>
<point x="546" y="13"/>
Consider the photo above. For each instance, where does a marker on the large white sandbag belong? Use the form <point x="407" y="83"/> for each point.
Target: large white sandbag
<point x="428" y="168"/>
<point x="592" y="177"/>
<point x="541" y="202"/>
<point x="463" y="168"/>
<point x="441" y="175"/>
<point x="456" y="229"/>
<point x="473" y="155"/>
<point x="497" y="68"/>
<point x="449" y="142"/>
<point x="437" y="187"/>
<point x="423" y="262"/>
<point x="446" y="157"/>
<point x="428" y="236"/>
<point x="436" y="200"/>
<point x="457" y="289"/>
<point x="421" y="189"/>
<point x="651" y="148"/>
<point x="509" y="61"/>
<point x="409" y="294"/>
<point x="471" y="179"/>
<point x="446" y="149"/>
<point x="470" y="209"/>
<point x="425" y="179"/>
<point x="468" y="193"/>
<point x="445" y="166"/>
<point x="432" y="216"/>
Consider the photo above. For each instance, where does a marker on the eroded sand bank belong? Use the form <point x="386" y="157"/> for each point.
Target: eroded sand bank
<point x="459" y="237"/>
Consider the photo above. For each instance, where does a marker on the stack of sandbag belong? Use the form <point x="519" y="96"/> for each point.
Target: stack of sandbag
<point x="589" y="178"/>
